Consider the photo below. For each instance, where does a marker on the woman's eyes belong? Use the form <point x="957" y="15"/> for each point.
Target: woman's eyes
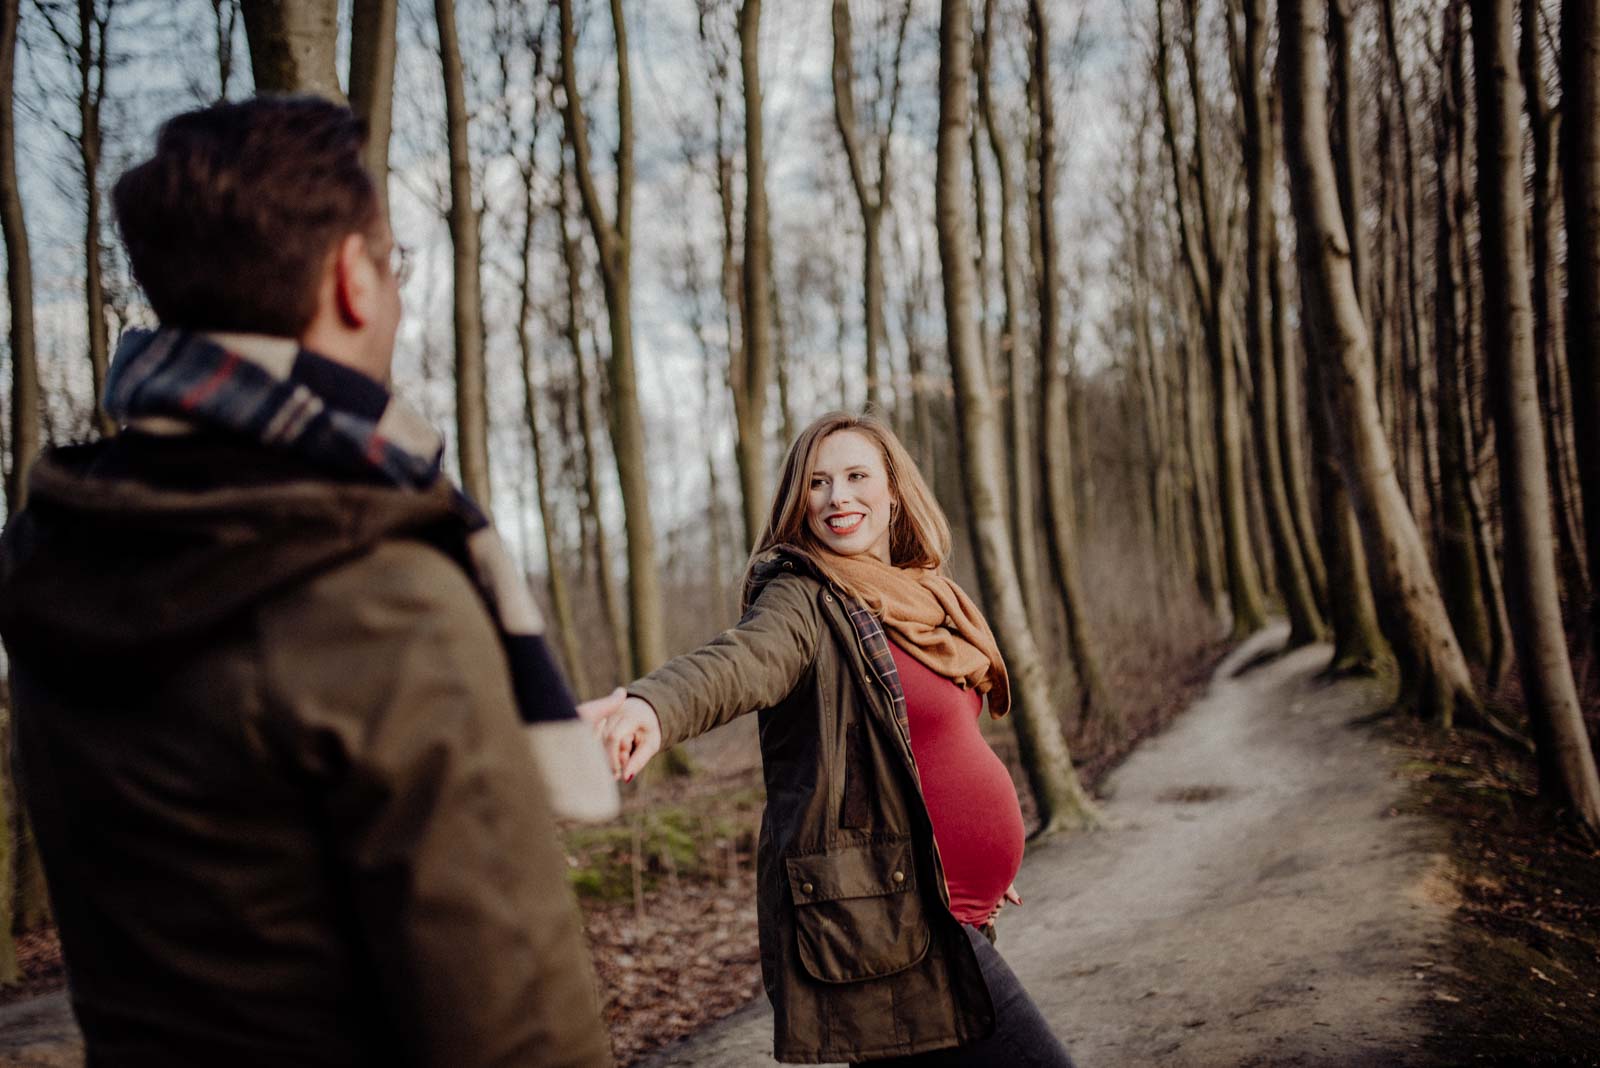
<point x="853" y="476"/>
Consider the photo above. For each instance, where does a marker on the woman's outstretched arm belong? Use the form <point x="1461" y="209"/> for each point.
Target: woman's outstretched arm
<point x="747" y="667"/>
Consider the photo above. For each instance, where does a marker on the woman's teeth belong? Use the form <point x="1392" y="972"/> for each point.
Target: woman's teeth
<point x="844" y="524"/>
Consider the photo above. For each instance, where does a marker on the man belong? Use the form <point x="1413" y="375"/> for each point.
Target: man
<point x="268" y="665"/>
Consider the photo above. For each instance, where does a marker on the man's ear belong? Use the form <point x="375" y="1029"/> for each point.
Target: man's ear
<point x="355" y="281"/>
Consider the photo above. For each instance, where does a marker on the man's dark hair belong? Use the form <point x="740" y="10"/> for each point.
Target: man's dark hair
<point x="229" y="224"/>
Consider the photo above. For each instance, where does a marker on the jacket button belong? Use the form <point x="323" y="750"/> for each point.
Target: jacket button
<point x="899" y="876"/>
<point x="806" y="888"/>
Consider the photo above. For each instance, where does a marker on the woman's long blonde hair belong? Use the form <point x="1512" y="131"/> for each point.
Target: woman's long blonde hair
<point x="919" y="533"/>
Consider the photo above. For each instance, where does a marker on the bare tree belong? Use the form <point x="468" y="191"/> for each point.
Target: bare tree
<point x="226" y="16"/>
<point x="292" y="45"/>
<point x="1455" y="536"/>
<point x="752" y="372"/>
<point x="1567" y="775"/>
<point x="1435" y="673"/>
<point x="1055" y="439"/>
<point x="1580" y="171"/>
<point x="1261" y="221"/>
<point x="1013" y="338"/>
<point x="372" y="54"/>
<point x="25" y="437"/>
<point x="611" y="604"/>
<point x="613" y="239"/>
<point x="471" y="377"/>
<point x="87" y="48"/>
<point x="1207" y="254"/>
<point x="1061" y="800"/>
<point x="872" y="191"/>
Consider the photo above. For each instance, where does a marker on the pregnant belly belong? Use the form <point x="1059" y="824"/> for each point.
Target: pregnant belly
<point x="978" y="825"/>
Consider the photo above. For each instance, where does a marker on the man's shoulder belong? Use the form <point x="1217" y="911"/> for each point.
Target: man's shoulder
<point x="397" y="579"/>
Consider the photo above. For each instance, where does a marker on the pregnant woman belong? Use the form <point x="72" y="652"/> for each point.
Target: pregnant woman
<point x="891" y="833"/>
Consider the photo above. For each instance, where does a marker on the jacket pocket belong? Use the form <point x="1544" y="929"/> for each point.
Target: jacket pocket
<point x="857" y="911"/>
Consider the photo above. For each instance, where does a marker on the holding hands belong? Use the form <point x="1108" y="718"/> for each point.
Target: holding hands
<point x="628" y="729"/>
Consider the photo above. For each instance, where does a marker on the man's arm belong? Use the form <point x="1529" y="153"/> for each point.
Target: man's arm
<point x="391" y="674"/>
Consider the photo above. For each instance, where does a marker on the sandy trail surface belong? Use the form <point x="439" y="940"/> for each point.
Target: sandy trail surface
<point x="1255" y="899"/>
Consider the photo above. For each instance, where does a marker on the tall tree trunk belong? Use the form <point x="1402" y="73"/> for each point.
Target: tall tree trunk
<point x="1013" y="344"/>
<point x="1055" y="435"/>
<point x="1347" y="157"/>
<point x="566" y="627"/>
<point x="292" y="45"/>
<point x="25" y="437"/>
<point x="372" y="54"/>
<point x="1061" y="801"/>
<point x="226" y="13"/>
<point x="614" y="241"/>
<point x="24" y="427"/>
<point x="1580" y="171"/>
<point x="1567" y="774"/>
<point x="1433" y="669"/>
<point x="472" y="380"/>
<point x="1291" y="411"/>
<point x="611" y="605"/>
<point x="1455" y="535"/>
<point x="872" y="194"/>
<point x="1210" y="271"/>
<point x="1294" y="580"/>
<point x="93" y="56"/>
<point x="753" y="371"/>
<point x="1409" y="236"/>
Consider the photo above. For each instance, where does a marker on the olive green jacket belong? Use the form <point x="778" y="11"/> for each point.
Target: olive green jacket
<point x="859" y="952"/>
<point x="267" y="736"/>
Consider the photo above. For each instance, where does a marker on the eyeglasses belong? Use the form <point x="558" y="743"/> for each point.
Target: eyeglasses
<point x="399" y="262"/>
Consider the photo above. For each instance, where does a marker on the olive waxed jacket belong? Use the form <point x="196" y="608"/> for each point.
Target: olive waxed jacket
<point x="859" y="952"/>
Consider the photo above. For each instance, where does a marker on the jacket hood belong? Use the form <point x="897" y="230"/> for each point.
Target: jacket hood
<point x="124" y="570"/>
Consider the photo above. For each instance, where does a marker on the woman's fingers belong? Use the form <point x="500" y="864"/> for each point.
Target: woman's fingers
<point x="645" y="746"/>
<point x="1012" y="895"/>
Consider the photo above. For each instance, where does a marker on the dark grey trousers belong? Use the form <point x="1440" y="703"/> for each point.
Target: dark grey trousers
<point x="1021" y="1038"/>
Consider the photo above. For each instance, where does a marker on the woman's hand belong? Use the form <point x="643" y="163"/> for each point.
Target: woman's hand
<point x="631" y="736"/>
<point x="1011" y="895"/>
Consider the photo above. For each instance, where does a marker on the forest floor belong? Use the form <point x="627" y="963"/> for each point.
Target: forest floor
<point x="1284" y="878"/>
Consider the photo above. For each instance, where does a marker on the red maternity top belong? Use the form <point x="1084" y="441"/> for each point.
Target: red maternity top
<point x="971" y="802"/>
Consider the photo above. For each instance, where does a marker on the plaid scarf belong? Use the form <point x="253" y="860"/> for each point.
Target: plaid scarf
<point x="172" y="381"/>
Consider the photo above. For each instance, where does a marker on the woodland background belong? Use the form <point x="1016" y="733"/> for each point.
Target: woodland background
<point x="1195" y="311"/>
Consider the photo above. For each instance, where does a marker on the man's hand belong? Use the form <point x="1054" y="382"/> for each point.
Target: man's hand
<point x="631" y="735"/>
<point x="595" y="711"/>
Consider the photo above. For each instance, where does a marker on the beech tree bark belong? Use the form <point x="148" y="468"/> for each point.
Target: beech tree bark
<point x="1567" y="775"/>
<point x="1207" y="255"/>
<point x="25" y="434"/>
<point x="616" y="614"/>
<point x="872" y="192"/>
<point x="372" y="54"/>
<point x="752" y="372"/>
<point x="1013" y="340"/>
<point x="1455" y="537"/>
<point x="613" y="240"/>
<point x="1055" y="434"/>
<point x="1061" y="800"/>
<point x="1294" y="580"/>
<point x="1434" y="672"/>
<point x="472" y="379"/>
<point x="1580" y="172"/>
<point x="292" y="45"/>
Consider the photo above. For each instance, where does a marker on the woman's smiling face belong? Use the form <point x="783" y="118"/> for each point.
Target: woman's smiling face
<point x="849" y="504"/>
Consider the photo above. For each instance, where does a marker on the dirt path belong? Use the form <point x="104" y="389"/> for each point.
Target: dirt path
<point x="1254" y="900"/>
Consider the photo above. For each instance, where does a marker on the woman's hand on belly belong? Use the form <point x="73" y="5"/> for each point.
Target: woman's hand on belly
<point x="1010" y="895"/>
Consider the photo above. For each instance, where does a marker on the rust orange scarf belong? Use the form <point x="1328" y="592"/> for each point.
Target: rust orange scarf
<point x="933" y="619"/>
